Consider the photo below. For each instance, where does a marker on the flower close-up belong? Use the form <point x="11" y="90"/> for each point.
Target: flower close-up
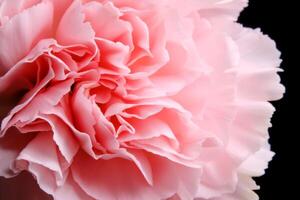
<point x="135" y="99"/>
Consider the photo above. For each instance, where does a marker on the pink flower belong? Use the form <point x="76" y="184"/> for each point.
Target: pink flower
<point x="135" y="100"/>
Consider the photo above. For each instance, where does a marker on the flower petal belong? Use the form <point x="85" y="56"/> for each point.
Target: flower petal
<point x="10" y="147"/>
<point x="24" y="29"/>
<point x="73" y="22"/>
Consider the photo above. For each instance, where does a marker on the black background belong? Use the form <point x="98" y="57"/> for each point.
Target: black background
<point x="280" y="20"/>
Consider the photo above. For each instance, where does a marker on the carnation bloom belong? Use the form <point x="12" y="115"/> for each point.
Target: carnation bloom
<point x="135" y="99"/>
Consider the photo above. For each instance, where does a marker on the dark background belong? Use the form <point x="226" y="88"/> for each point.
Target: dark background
<point x="278" y="19"/>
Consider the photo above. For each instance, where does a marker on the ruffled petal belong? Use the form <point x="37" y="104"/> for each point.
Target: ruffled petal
<point x="73" y="22"/>
<point x="24" y="29"/>
<point x="46" y="157"/>
<point x="260" y="59"/>
<point x="10" y="147"/>
<point x="71" y="190"/>
<point x="123" y="182"/>
<point x="63" y="137"/>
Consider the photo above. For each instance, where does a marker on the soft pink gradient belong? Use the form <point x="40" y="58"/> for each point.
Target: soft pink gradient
<point x="134" y="99"/>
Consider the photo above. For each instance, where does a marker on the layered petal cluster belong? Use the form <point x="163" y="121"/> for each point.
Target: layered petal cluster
<point x="135" y="99"/>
